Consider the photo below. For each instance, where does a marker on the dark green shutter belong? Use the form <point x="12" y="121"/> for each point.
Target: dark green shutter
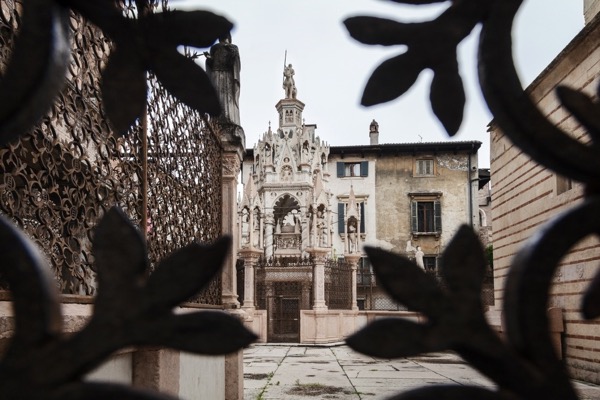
<point x="362" y="217"/>
<point x="364" y="168"/>
<point x="414" y="217"/>
<point x="437" y="212"/>
<point x="340" y="169"/>
<point x="341" y="218"/>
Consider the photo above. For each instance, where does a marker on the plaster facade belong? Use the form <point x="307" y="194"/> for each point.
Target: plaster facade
<point x="526" y="195"/>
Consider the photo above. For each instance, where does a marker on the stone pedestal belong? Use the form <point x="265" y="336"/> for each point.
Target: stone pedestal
<point x="320" y="256"/>
<point x="353" y="260"/>
<point x="156" y="369"/>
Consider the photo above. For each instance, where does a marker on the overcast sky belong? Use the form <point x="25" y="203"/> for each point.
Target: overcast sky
<point x="331" y="68"/>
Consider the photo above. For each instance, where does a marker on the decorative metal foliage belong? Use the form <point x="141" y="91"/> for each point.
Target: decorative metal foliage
<point x="59" y="178"/>
<point x="64" y="173"/>
<point x="37" y="70"/>
<point x="131" y="308"/>
<point x="524" y="366"/>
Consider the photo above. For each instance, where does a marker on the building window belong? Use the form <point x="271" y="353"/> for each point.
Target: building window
<point x="563" y="184"/>
<point x="430" y="263"/>
<point x="352" y="169"/>
<point x="426" y="216"/>
<point x="424" y="167"/>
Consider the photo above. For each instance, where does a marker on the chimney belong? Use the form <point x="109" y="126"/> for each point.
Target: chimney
<point x="374" y="132"/>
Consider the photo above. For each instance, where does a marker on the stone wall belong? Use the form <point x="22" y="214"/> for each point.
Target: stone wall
<point x="590" y="9"/>
<point x="527" y="195"/>
<point x="395" y="180"/>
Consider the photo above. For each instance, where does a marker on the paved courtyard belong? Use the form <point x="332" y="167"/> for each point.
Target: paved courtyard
<point x="301" y="372"/>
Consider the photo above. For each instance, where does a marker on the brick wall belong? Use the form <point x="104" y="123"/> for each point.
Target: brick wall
<point x="527" y="195"/>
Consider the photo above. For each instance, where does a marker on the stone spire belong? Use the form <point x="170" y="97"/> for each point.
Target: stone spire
<point x="352" y="206"/>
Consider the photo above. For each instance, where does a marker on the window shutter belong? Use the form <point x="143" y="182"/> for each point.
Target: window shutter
<point x="341" y="217"/>
<point x="437" y="212"/>
<point x="362" y="217"/>
<point x="414" y="216"/>
<point x="340" y="169"/>
<point x="364" y="168"/>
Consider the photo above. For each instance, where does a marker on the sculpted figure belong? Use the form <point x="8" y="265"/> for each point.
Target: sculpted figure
<point x="418" y="253"/>
<point x="289" y="85"/>
<point x="223" y="67"/>
<point x="352" y="236"/>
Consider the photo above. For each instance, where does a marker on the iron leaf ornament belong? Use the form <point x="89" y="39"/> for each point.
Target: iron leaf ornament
<point x="453" y="319"/>
<point x="432" y="45"/>
<point x="524" y="366"/>
<point x="132" y="308"/>
<point x="37" y="70"/>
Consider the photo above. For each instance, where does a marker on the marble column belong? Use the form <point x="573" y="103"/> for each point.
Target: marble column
<point x="269" y="222"/>
<point x="319" y="255"/>
<point x="305" y="232"/>
<point x="353" y="260"/>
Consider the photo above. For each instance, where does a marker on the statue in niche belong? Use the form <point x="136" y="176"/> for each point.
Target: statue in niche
<point x="321" y="229"/>
<point x="305" y="152"/>
<point x="352" y="236"/>
<point x="256" y="227"/>
<point x="245" y="226"/>
<point x="223" y="68"/>
<point x="289" y="84"/>
<point x="418" y="253"/>
<point x="297" y="225"/>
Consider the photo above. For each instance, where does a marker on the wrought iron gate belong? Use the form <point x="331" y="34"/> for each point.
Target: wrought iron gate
<point x="283" y="288"/>
<point x="57" y="181"/>
<point x="284" y="318"/>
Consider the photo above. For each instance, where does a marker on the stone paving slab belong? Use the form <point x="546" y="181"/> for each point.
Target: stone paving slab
<point x="294" y="372"/>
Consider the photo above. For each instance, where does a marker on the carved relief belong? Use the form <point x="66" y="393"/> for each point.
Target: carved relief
<point x="231" y="164"/>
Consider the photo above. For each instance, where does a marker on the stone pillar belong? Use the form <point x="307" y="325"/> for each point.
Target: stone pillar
<point x="250" y="257"/>
<point x="305" y="296"/>
<point x="270" y="306"/>
<point x="232" y="139"/>
<point x="250" y="228"/>
<point x="319" y="255"/>
<point x="270" y="222"/>
<point x="305" y="232"/>
<point x="261" y="239"/>
<point x="231" y="168"/>
<point x="353" y="260"/>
